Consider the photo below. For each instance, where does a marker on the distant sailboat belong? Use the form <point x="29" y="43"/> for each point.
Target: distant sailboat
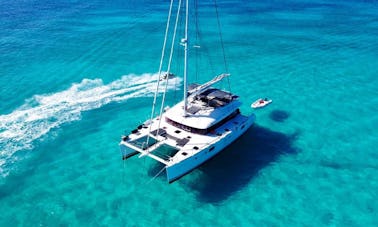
<point x="191" y="132"/>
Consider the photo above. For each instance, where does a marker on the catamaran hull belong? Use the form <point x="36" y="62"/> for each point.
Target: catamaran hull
<point x="178" y="170"/>
<point x="127" y="152"/>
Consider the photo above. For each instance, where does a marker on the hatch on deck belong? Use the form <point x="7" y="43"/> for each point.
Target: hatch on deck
<point x="165" y="151"/>
<point x="142" y="142"/>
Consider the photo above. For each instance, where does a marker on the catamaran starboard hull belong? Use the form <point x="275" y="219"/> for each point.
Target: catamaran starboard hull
<point x="178" y="170"/>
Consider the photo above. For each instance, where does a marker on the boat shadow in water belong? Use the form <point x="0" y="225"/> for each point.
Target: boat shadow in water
<point x="233" y="168"/>
<point x="279" y="115"/>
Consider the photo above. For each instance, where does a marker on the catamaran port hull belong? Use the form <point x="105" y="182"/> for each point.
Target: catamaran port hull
<point x="127" y="152"/>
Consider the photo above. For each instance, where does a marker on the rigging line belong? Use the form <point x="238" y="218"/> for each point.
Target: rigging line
<point x="160" y="67"/>
<point x="169" y="66"/>
<point x="205" y="53"/>
<point x="221" y="39"/>
<point x="197" y="35"/>
<point x="123" y="172"/>
<point x="157" y="174"/>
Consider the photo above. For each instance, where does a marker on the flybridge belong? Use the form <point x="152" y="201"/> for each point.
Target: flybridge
<point x="199" y="89"/>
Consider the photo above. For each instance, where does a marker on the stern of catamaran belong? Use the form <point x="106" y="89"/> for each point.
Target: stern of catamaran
<point x="126" y="151"/>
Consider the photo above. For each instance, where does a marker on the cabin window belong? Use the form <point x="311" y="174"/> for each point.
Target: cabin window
<point x="184" y="153"/>
<point x="195" y="148"/>
<point x="211" y="148"/>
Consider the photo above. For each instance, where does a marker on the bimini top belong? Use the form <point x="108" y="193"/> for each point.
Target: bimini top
<point x="205" y="109"/>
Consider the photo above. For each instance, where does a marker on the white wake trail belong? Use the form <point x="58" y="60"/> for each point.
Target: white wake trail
<point x="41" y="113"/>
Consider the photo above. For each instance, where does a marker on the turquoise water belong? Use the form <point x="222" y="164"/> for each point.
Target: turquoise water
<point x="75" y="75"/>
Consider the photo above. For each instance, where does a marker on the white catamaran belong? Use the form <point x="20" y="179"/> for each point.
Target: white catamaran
<point x="191" y="132"/>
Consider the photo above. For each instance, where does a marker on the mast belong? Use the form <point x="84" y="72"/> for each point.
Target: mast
<point x="185" y="43"/>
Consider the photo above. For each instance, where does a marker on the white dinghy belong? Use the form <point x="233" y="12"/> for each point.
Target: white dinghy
<point x="259" y="103"/>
